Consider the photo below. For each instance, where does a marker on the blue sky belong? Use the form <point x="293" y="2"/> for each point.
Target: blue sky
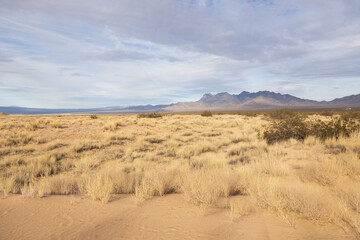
<point x="80" y="54"/>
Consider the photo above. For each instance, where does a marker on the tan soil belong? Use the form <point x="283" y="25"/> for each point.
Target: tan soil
<point x="168" y="217"/>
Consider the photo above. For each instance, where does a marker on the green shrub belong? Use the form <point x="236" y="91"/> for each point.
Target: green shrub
<point x="206" y="114"/>
<point x="283" y="130"/>
<point x="333" y="129"/>
<point x="149" y="115"/>
<point x="93" y="116"/>
<point x="297" y="128"/>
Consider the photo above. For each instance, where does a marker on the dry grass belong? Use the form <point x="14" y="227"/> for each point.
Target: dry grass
<point x="205" y="159"/>
<point x="207" y="185"/>
<point x="113" y="126"/>
<point x="325" y="172"/>
<point x="100" y="187"/>
<point x="240" y="208"/>
<point x="157" y="182"/>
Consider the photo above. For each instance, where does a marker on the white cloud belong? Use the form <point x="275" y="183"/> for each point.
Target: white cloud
<point x="97" y="53"/>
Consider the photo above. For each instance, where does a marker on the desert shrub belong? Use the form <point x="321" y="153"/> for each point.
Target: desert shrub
<point x="149" y="115"/>
<point x="285" y="129"/>
<point x="333" y="129"/>
<point x="297" y="128"/>
<point x="206" y="114"/>
<point x="348" y="115"/>
<point x="282" y="113"/>
<point x="93" y="116"/>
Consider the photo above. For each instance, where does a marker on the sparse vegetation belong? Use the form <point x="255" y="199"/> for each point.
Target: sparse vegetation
<point x="282" y="130"/>
<point x="298" y="128"/>
<point x="113" y="126"/>
<point x="206" y="114"/>
<point x="283" y="113"/>
<point x="300" y="166"/>
<point x="149" y="115"/>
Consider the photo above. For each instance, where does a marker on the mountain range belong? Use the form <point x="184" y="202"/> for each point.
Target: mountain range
<point x="245" y="101"/>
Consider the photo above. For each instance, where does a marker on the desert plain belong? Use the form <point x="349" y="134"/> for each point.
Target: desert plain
<point x="174" y="176"/>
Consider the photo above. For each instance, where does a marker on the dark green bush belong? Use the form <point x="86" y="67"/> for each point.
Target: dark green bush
<point x="93" y="116"/>
<point x="283" y="130"/>
<point x="149" y="115"/>
<point x="333" y="129"/>
<point x="297" y="128"/>
<point x="206" y="114"/>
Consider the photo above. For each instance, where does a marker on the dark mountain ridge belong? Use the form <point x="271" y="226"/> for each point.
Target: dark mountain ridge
<point x="262" y="100"/>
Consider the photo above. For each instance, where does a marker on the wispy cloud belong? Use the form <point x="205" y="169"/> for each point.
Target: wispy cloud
<point x="90" y="54"/>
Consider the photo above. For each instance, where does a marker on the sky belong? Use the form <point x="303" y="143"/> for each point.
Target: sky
<point x="97" y="53"/>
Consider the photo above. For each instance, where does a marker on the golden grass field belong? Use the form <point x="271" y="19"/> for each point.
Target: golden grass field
<point x="217" y="162"/>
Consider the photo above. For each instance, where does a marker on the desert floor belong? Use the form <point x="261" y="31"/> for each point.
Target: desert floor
<point x="175" y="177"/>
<point x="168" y="217"/>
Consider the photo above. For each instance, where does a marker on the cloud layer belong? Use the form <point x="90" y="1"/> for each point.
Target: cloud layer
<point x="105" y="53"/>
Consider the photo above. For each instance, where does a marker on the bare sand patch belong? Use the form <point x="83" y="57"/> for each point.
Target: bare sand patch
<point x="168" y="217"/>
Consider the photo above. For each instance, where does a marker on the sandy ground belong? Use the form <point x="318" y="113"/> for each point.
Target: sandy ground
<point x="168" y="217"/>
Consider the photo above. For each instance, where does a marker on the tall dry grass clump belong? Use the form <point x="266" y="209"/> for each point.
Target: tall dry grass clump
<point x="206" y="186"/>
<point x="100" y="187"/>
<point x="157" y="182"/>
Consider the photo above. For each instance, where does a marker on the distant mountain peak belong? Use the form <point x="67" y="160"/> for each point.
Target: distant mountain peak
<point x="206" y="96"/>
<point x="260" y="100"/>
